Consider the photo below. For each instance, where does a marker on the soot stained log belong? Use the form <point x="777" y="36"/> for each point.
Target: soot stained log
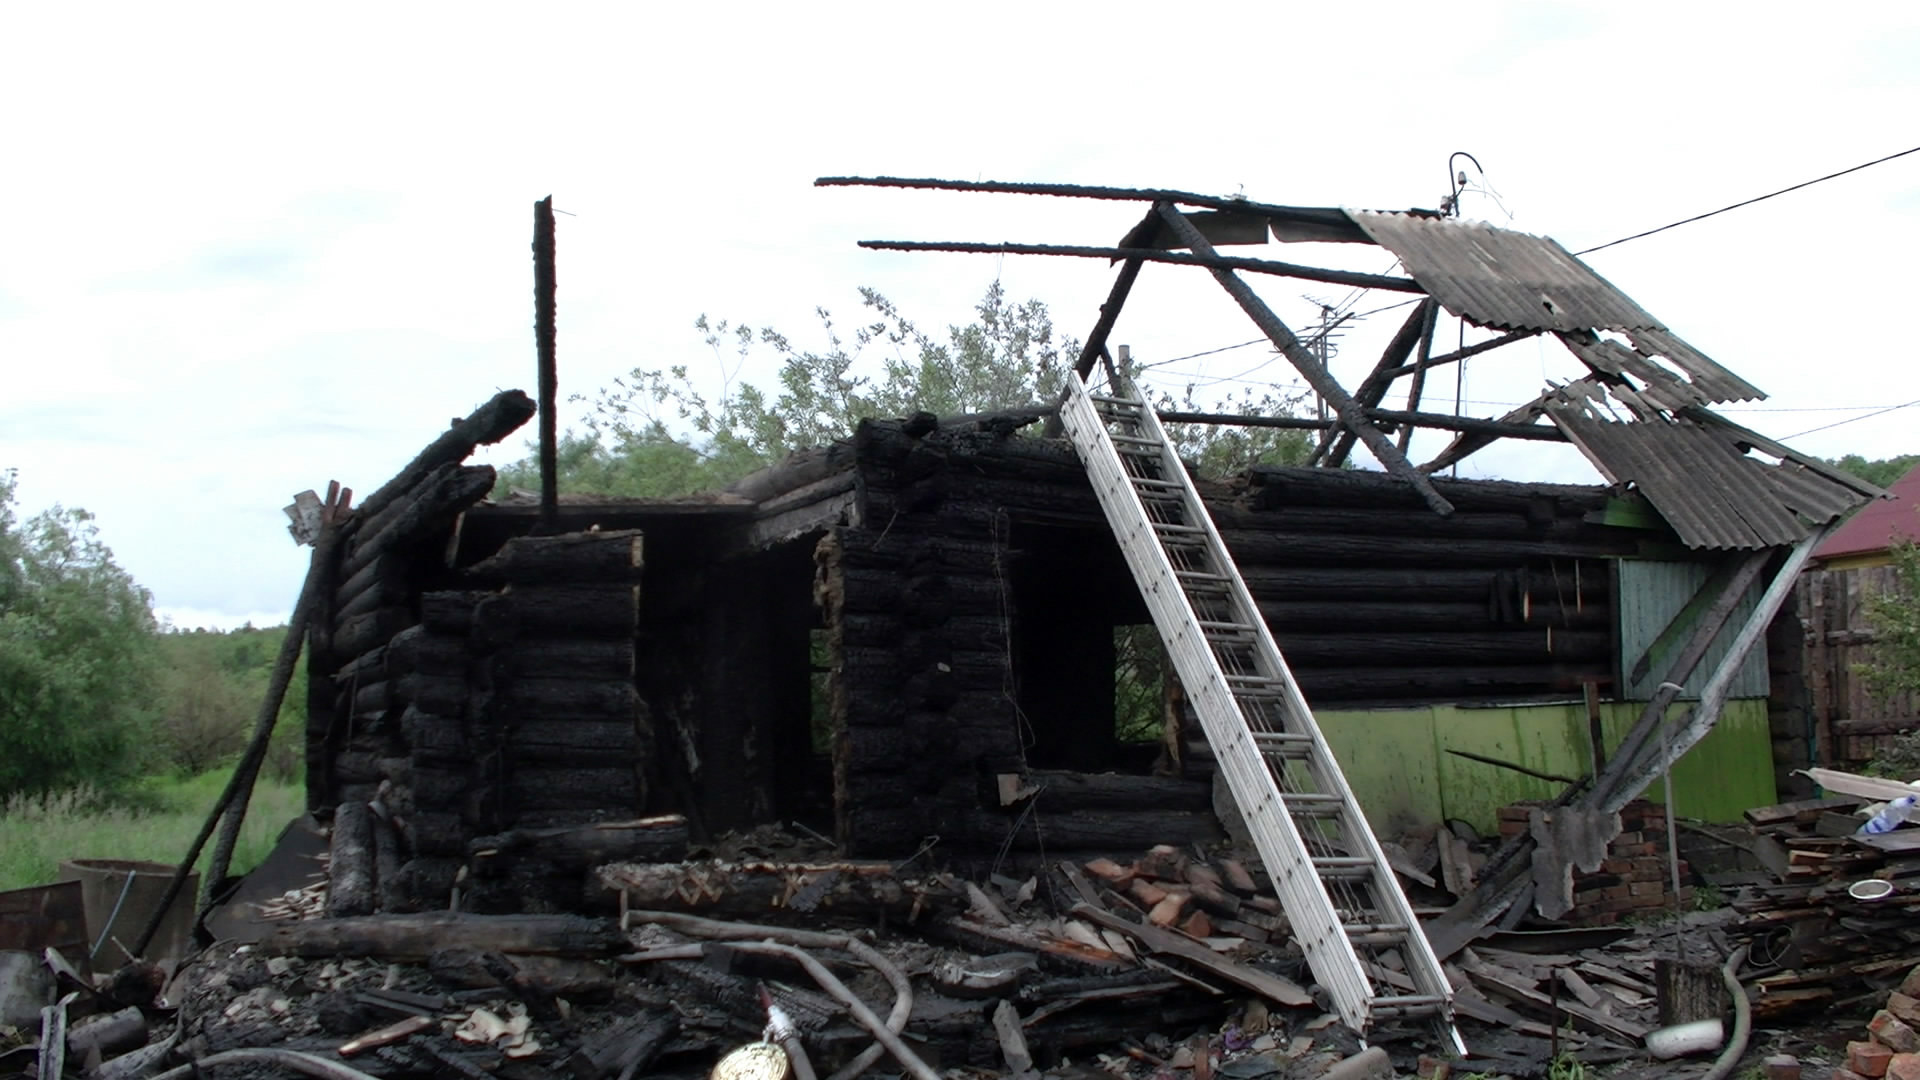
<point x="414" y="938"/>
<point x="1467" y="616"/>
<point x="435" y="833"/>
<point x="1284" y="485"/>
<point x="651" y="840"/>
<point x="1387" y="521"/>
<point x="579" y="743"/>
<point x="431" y="736"/>
<point x="382" y="571"/>
<point x="557" y="658"/>
<point x="364" y="633"/>
<point x="571" y="699"/>
<point x="570" y="610"/>
<point x="1253" y="548"/>
<point x="546" y="788"/>
<point x="486" y="425"/>
<point x="765" y="890"/>
<point x="571" y="558"/>
<point x="431" y="506"/>
<point x="351" y="885"/>
<point x="385" y="593"/>
<point x="1270" y="584"/>
<point x="1508" y="647"/>
<point x="1065" y="791"/>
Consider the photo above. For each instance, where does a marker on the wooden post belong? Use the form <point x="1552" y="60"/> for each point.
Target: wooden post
<point x="544" y="287"/>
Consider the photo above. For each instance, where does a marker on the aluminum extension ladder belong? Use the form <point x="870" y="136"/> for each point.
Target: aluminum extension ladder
<point x="1339" y="893"/>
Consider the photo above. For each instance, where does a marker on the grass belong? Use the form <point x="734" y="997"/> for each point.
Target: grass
<point x="154" y="822"/>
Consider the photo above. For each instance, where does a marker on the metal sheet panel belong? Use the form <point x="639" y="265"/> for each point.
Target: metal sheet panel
<point x="1651" y="594"/>
<point x="1713" y="494"/>
<point x="1502" y="278"/>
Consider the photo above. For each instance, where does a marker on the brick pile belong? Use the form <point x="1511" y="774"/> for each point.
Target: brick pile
<point x="1634" y="878"/>
<point x="1892" y="1046"/>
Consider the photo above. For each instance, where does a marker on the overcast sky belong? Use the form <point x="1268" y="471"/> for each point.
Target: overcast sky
<point x="253" y="248"/>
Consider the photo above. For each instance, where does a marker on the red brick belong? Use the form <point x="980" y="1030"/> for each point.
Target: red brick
<point x="1654" y="889"/>
<point x="1869" y="1059"/>
<point x="1904" y="1006"/>
<point x="1904" y="1067"/>
<point x="1910" y="986"/>
<point x="1625" y="839"/>
<point x="1783" y="1067"/>
<point x="1888" y="1030"/>
<point x="1632" y="850"/>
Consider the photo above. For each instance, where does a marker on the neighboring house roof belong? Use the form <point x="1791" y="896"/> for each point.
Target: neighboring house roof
<point x="1867" y="536"/>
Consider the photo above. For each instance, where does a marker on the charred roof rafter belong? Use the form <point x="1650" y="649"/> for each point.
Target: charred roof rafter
<point x="1497" y="279"/>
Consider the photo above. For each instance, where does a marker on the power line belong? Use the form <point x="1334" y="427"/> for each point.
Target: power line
<point x="1750" y="202"/>
<point x="1852" y="419"/>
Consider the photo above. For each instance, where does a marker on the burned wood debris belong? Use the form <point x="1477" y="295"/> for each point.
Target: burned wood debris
<point x="1173" y="963"/>
<point x="1829" y="912"/>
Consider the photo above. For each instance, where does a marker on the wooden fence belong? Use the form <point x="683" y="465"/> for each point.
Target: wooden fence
<point x="1851" y="721"/>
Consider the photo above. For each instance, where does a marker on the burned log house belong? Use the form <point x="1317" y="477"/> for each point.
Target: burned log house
<point x="908" y="638"/>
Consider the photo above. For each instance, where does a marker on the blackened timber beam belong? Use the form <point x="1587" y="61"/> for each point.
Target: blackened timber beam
<point x="498" y="418"/>
<point x="1472" y="442"/>
<point x="1096" y="343"/>
<point x="1444" y="421"/>
<point x="1231" y="262"/>
<point x="1309" y="367"/>
<point x="1458" y="355"/>
<point x="1420" y="373"/>
<point x="1374" y="386"/>
<point x="1328" y="224"/>
<point x="544" y="287"/>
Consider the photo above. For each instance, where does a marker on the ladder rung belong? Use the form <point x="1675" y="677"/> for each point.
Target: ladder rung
<point x="1148" y="481"/>
<point x="1304" y="800"/>
<point x="1376" y="928"/>
<point x="1342" y="862"/>
<point x="1286" y="745"/>
<point x="1136" y="440"/>
<point x="1177" y="529"/>
<point x="1107" y="399"/>
<point x="1408" y="1004"/>
<point x="1225" y="627"/>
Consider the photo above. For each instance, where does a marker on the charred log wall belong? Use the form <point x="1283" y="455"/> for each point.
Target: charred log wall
<point x="949" y="595"/>
<point x="473" y="701"/>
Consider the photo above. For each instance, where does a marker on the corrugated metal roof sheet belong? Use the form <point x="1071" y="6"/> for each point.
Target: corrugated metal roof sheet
<point x="1707" y="489"/>
<point x="1503" y="278"/>
<point x="1518" y="281"/>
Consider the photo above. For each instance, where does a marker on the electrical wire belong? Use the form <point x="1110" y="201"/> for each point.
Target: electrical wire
<point x="1852" y="419"/>
<point x="1750" y="202"/>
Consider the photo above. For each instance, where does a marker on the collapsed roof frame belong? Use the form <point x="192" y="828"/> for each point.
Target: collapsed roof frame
<point x="1639" y="416"/>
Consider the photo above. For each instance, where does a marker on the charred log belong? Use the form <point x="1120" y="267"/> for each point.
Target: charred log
<point x="414" y="938"/>
<point x="570" y="558"/>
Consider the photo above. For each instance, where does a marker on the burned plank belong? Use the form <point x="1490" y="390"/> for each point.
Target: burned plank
<point x="414" y="938"/>
<point x="570" y="558"/>
<point x="1266" y="984"/>
<point x="764" y="889"/>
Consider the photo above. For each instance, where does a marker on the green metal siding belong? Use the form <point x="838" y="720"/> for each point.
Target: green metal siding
<point x="1651" y="594"/>
<point x="1398" y="765"/>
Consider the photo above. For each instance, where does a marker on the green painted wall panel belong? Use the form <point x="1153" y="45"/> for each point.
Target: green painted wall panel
<point x="1396" y="760"/>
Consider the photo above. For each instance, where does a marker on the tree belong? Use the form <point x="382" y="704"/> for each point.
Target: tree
<point x="653" y="432"/>
<point x="1880" y="471"/>
<point x="1894" y="615"/>
<point x="76" y="653"/>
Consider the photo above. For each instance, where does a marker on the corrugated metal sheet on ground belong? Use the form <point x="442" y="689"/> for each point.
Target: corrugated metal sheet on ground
<point x="1713" y="495"/>
<point x="1651" y="594"/>
<point x="1502" y="278"/>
